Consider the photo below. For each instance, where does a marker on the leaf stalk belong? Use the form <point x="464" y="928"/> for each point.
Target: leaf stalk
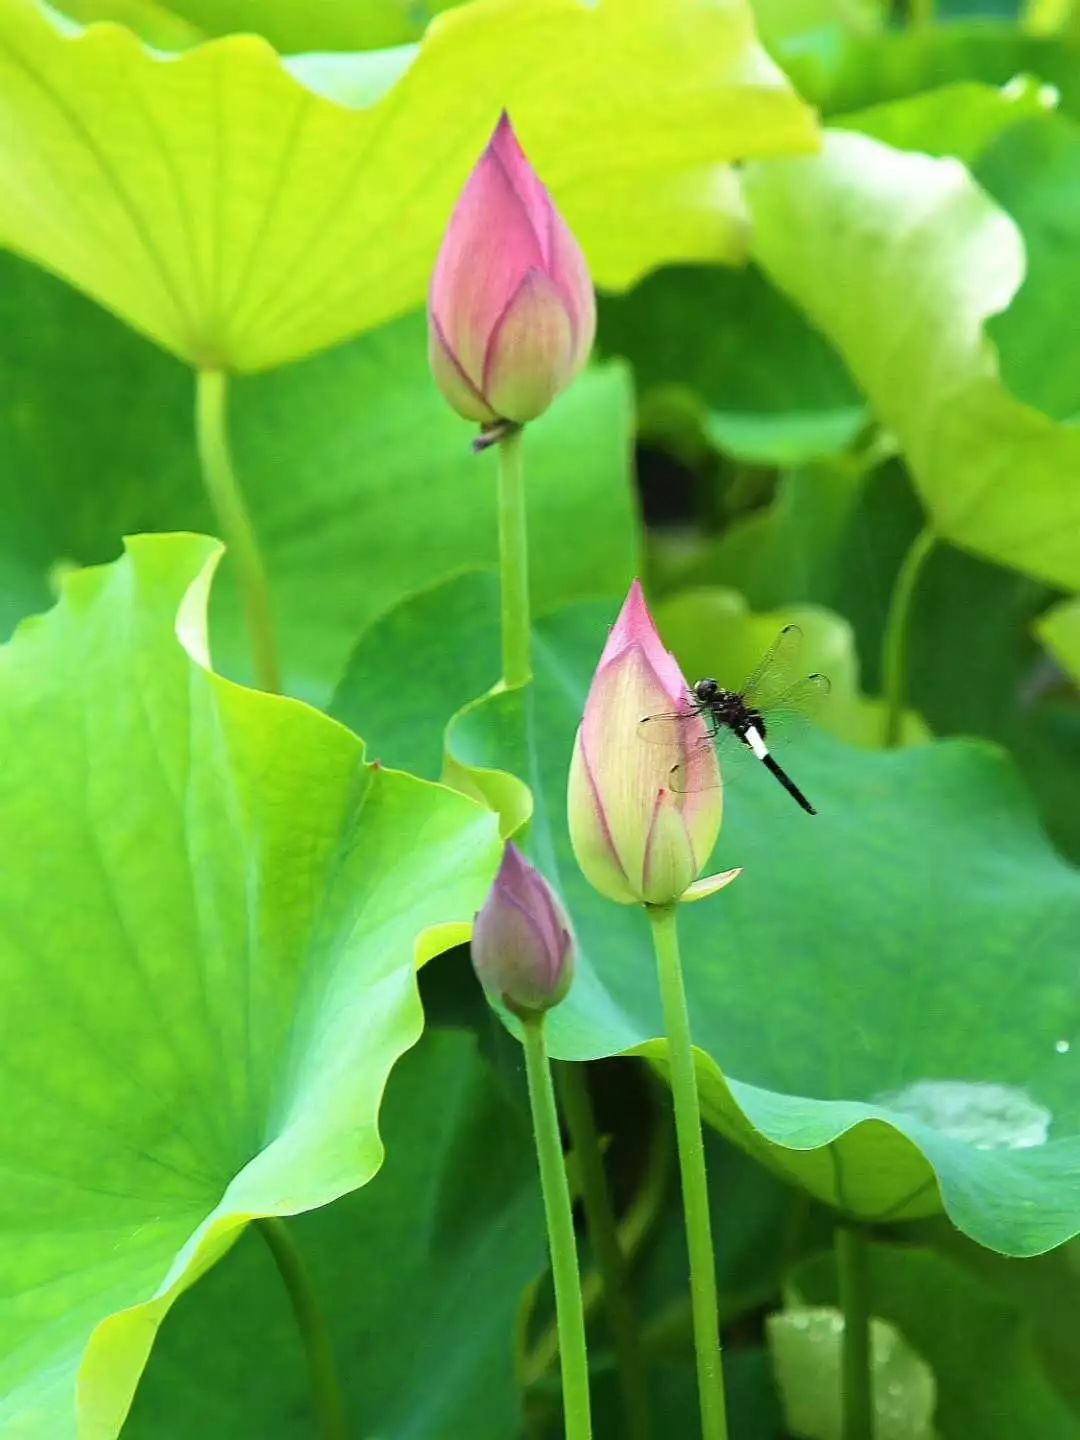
<point x="695" y="1189"/>
<point x="327" y="1399"/>
<point x="562" y="1245"/>
<point x="894" y="658"/>
<point x="227" y="498"/>
<point x="853" y="1271"/>
<point x="607" y="1252"/>
<point x="514" y="563"/>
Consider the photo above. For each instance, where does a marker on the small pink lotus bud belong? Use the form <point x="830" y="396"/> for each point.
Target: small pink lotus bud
<point x="635" y="837"/>
<point x="511" y="314"/>
<point x="522" y="944"/>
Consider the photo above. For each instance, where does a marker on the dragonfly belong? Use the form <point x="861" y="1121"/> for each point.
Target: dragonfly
<point x="740" y="719"/>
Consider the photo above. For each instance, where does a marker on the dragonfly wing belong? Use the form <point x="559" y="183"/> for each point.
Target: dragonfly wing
<point x="776" y="671"/>
<point x="675" y="728"/>
<point x="795" y="707"/>
<point x="689" y="778"/>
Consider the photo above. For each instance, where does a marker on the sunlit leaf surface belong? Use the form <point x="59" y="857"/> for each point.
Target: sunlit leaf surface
<point x="243" y="213"/>
<point x="1060" y="631"/>
<point x="212" y="913"/>
<point x="900" y="259"/>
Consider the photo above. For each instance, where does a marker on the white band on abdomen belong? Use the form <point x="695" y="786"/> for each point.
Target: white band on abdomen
<point x="756" y="743"/>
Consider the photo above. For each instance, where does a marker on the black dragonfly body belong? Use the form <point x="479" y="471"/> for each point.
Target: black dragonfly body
<point x="747" y="717"/>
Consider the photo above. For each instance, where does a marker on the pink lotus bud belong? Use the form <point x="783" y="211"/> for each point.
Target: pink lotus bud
<point x="635" y="837"/>
<point x="511" y="311"/>
<point x="522" y="944"/>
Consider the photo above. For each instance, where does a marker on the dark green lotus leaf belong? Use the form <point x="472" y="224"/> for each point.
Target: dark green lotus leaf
<point x="453" y="1224"/>
<point x="360" y="478"/>
<point x="905" y="61"/>
<point x="1033" y="172"/>
<point x="833" y="987"/>
<point x="212" y="912"/>
<point x="990" y="1379"/>
<point x="771" y="389"/>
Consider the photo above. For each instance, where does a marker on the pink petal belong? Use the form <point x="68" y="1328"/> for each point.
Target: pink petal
<point x="490" y="243"/>
<point x="528" y="358"/>
<point x="527" y="888"/>
<point x="527" y="185"/>
<point x="452" y="380"/>
<point x="635" y="626"/>
<point x="571" y="274"/>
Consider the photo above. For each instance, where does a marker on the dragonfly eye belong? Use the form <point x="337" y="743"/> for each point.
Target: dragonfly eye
<point x="706" y="689"/>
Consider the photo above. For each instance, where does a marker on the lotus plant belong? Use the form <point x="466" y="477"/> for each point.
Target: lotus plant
<point x="511" y="320"/>
<point x="643" y="821"/>
<point x="523" y="951"/>
<point x="638" y="837"/>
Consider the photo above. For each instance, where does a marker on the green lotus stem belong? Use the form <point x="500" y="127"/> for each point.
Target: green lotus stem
<point x="894" y="657"/>
<point x="641" y="1218"/>
<point x="695" y="1189"/>
<point x="607" y="1252"/>
<point x="223" y="488"/>
<point x="514" y="562"/>
<point x="562" y="1245"/>
<point x="852" y="1266"/>
<point x="326" y="1393"/>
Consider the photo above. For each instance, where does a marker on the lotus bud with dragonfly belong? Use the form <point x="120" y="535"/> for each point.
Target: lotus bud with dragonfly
<point x="739" y="721"/>
<point x="639" y="839"/>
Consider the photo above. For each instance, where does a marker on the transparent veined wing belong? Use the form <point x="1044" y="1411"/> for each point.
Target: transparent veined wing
<point x="674" y="727"/>
<point x="689" y="778"/>
<point x="680" y="732"/>
<point x="777" y="672"/>
<point x="793" y="708"/>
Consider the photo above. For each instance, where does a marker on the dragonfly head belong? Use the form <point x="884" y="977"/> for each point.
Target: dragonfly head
<point x="706" y="690"/>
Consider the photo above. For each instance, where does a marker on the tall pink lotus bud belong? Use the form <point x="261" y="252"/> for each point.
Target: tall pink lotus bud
<point x="511" y="311"/>
<point x="522" y="944"/>
<point x="636" y="838"/>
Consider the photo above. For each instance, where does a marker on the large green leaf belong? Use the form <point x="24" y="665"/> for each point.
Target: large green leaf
<point x="360" y="478"/>
<point x="788" y="25"/>
<point x="964" y="119"/>
<point x="243" y="212"/>
<point x="772" y="390"/>
<point x="990" y="1380"/>
<point x="290" y="25"/>
<point x="212" y="914"/>
<point x="158" y="24"/>
<point x="1034" y="172"/>
<point x="397" y="1268"/>
<point x="834" y="535"/>
<point x="904" y="60"/>
<point x="833" y="986"/>
<point x="1060" y="631"/>
<point x="900" y="259"/>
